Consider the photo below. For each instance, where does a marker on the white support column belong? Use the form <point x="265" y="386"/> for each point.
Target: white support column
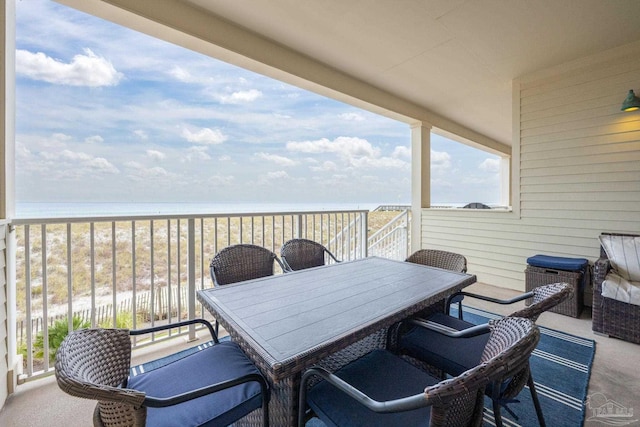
<point x="8" y="353"/>
<point x="505" y="181"/>
<point x="420" y="179"/>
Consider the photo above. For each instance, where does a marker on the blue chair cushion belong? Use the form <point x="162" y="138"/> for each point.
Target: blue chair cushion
<point x="558" y="263"/>
<point x="218" y="363"/>
<point x="452" y="355"/>
<point x="382" y="376"/>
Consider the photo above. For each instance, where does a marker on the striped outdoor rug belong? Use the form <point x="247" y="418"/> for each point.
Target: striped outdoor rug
<point x="561" y="366"/>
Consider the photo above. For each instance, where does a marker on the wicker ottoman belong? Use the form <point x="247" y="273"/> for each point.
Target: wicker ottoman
<point x="543" y="270"/>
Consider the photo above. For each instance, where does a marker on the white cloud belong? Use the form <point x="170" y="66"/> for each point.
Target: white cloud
<point x="61" y="137"/>
<point x="490" y="165"/>
<point x="181" y="74"/>
<point x="355" y="117"/>
<point x="204" y="136"/>
<point x="278" y="175"/>
<point x="440" y="161"/>
<point x="225" y="158"/>
<point x="84" y="70"/>
<point x="327" y="166"/>
<point x="95" y="139"/>
<point x="401" y="152"/>
<point x="270" y="177"/>
<point x="156" y="155"/>
<point x="274" y="158"/>
<point x="347" y="147"/>
<point x="220" y="180"/>
<point x="197" y="153"/>
<point x="141" y="173"/>
<point x="241" y="97"/>
<point x="76" y="164"/>
<point x="352" y="152"/>
<point x="141" y="134"/>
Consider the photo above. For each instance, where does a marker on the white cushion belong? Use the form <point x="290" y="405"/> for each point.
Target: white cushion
<point x="624" y="254"/>
<point x="618" y="288"/>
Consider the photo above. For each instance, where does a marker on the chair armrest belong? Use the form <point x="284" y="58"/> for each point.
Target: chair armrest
<point x="175" y="325"/>
<point x="473" y="331"/>
<point x="286" y="267"/>
<point x="397" y="405"/>
<point x="513" y="300"/>
<point x="332" y="256"/>
<point x="161" y="402"/>
<point x="600" y="270"/>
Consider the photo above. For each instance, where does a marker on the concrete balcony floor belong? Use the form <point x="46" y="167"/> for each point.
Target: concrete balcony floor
<point x="614" y="373"/>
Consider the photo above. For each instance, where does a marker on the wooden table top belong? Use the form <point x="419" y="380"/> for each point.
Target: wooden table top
<point x="289" y="319"/>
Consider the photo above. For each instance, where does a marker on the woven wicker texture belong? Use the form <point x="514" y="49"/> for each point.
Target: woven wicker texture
<point x="545" y="298"/>
<point x="298" y="254"/>
<point x="440" y="259"/>
<point x="237" y="263"/>
<point x="538" y="276"/>
<point x="612" y="317"/>
<point x="92" y="364"/>
<point x="510" y="344"/>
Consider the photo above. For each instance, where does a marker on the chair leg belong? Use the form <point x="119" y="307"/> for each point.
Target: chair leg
<point x="460" y="310"/>
<point x="536" y="402"/>
<point x="497" y="417"/>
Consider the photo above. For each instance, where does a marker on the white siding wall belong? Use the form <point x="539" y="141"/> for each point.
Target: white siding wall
<point x="576" y="172"/>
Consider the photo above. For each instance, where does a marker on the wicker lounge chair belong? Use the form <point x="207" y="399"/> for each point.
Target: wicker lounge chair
<point x="435" y="342"/>
<point x="215" y="386"/>
<point x="612" y="317"/>
<point x="382" y="389"/>
<point x="298" y="254"/>
<point x="442" y="259"/>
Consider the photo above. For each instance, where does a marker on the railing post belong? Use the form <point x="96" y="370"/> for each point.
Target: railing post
<point x="191" y="275"/>
<point x="299" y="227"/>
<point x="364" y="234"/>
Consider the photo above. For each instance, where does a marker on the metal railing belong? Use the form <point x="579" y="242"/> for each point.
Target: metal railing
<point x="393" y="240"/>
<point x="77" y="272"/>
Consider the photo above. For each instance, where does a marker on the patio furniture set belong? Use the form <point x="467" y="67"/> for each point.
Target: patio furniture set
<point x="366" y="342"/>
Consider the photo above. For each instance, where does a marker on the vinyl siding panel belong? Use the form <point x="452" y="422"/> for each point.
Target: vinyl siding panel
<point x="578" y="163"/>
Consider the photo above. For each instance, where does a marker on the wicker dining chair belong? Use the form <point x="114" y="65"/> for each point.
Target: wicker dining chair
<point x="237" y="263"/>
<point x="433" y="342"/>
<point x="445" y="260"/>
<point x="215" y="386"/>
<point x="298" y="254"/>
<point x="382" y="389"/>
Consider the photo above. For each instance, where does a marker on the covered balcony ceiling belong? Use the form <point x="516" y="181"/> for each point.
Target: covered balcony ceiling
<point x="453" y="59"/>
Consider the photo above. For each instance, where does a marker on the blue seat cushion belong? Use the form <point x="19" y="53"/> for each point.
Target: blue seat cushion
<point x="452" y="355"/>
<point x="382" y="376"/>
<point x="212" y="365"/>
<point x="558" y="263"/>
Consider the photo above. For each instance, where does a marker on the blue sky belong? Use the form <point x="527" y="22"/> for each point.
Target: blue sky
<point x="108" y="114"/>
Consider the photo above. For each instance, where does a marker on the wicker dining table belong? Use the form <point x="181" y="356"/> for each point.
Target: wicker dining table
<point x="324" y="316"/>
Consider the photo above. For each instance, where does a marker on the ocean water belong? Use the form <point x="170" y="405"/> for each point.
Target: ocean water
<point x="75" y="209"/>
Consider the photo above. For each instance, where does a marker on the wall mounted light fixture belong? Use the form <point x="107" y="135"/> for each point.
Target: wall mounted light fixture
<point x="631" y="103"/>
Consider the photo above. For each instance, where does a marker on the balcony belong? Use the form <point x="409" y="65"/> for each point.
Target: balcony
<point x="139" y="271"/>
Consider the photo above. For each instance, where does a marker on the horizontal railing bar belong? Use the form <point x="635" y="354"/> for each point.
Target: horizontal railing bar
<point x="120" y="218"/>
